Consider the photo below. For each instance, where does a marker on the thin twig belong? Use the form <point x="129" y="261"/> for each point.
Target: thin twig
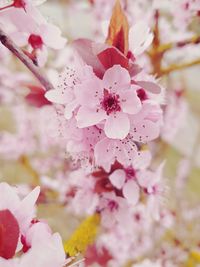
<point x="7" y="42"/>
<point x="165" y="47"/>
<point x="179" y="67"/>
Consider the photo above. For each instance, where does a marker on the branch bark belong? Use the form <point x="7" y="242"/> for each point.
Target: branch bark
<point x="165" y="47"/>
<point x="180" y="67"/>
<point x="37" y="72"/>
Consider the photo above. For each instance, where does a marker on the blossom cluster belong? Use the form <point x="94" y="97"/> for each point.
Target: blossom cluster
<point x="110" y="105"/>
<point x="96" y="132"/>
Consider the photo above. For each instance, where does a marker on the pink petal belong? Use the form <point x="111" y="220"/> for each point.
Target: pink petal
<point x="131" y="192"/>
<point x="117" y="178"/>
<point x="89" y="92"/>
<point x="85" y="49"/>
<point x="125" y="151"/>
<point x="145" y="130"/>
<point x="129" y="101"/>
<point x="51" y="36"/>
<point x="150" y="86"/>
<point x="145" y="178"/>
<point x="140" y="37"/>
<point x="9" y="199"/>
<point x="116" y="77"/>
<point x="26" y="209"/>
<point x="142" y="160"/>
<point x="70" y="108"/>
<point x="117" y="126"/>
<point x="88" y="117"/>
<point x="104" y="154"/>
<point x="59" y="96"/>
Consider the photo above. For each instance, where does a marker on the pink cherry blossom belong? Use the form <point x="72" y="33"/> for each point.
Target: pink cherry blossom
<point x="112" y="100"/>
<point x="64" y="93"/>
<point x="114" y="210"/>
<point x="151" y="180"/>
<point x="23" y="210"/>
<point x="39" y="238"/>
<point x="85" y="200"/>
<point x="33" y="237"/>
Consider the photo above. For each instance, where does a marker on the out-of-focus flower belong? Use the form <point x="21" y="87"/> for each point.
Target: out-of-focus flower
<point x="21" y="232"/>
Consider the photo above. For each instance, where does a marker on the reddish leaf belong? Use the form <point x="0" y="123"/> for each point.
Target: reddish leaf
<point x="111" y="56"/>
<point x="36" y="97"/>
<point x="101" y="57"/>
<point x="9" y="234"/>
<point x="87" y="50"/>
<point x="19" y="3"/>
<point x="118" y="29"/>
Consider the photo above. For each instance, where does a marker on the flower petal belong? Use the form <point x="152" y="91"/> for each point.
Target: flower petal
<point x="88" y="117"/>
<point x="104" y="154"/>
<point x="89" y="92"/>
<point x="117" y="126"/>
<point x="116" y="78"/>
<point x="117" y="178"/>
<point x="150" y="86"/>
<point x="129" y="101"/>
<point x="140" y="37"/>
<point x="69" y="108"/>
<point x="26" y="209"/>
<point x="142" y="160"/>
<point x="131" y="192"/>
<point x="145" y="130"/>
<point x="59" y="96"/>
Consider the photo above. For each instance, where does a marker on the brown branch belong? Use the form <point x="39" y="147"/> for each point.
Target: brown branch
<point x="154" y="54"/>
<point x="158" y="50"/>
<point x="165" y="47"/>
<point x="179" y="67"/>
<point x="7" y="42"/>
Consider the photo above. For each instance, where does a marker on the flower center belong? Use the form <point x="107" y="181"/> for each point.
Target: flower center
<point x="112" y="205"/>
<point x="130" y="173"/>
<point x="142" y="94"/>
<point x="35" y="41"/>
<point x="110" y="102"/>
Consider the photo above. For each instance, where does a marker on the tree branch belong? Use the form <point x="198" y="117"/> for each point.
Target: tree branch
<point x="179" y="67"/>
<point x="7" y="42"/>
<point x="165" y="47"/>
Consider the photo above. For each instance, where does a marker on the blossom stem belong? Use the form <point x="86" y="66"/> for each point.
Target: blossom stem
<point x="175" y="67"/>
<point x="7" y="42"/>
<point x="5" y="7"/>
<point x="165" y="47"/>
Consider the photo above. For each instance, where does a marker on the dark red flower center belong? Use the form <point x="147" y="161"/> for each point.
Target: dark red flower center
<point x="110" y="102"/>
<point x="142" y="94"/>
<point x="9" y="234"/>
<point x="35" y="41"/>
<point x="112" y="205"/>
<point x="130" y="173"/>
